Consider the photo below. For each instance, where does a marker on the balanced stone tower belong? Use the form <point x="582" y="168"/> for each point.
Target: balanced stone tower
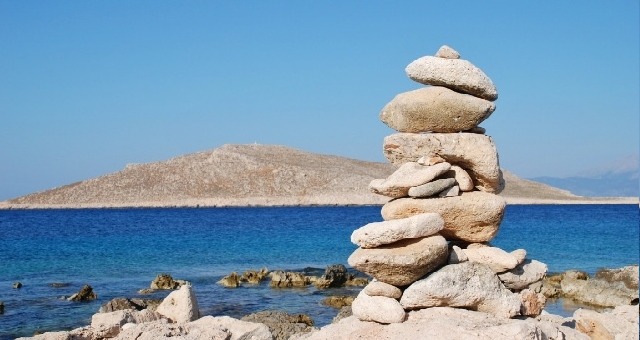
<point x="432" y="247"/>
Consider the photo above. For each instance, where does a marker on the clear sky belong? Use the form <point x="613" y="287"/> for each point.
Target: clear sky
<point x="89" y="86"/>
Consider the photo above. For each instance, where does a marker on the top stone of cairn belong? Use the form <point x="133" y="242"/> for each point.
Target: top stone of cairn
<point x="457" y="74"/>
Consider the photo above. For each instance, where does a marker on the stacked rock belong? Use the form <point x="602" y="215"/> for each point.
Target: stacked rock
<point x="431" y="249"/>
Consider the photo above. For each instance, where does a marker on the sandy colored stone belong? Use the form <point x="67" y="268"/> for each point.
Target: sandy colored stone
<point x="432" y="188"/>
<point x="377" y="288"/>
<point x="378" y="233"/>
<point x="430" y="160"/>
<point x="456" y="255"/>
<point x="461" y="176"/>
<point x="608" y="325"/>
<point x="532" y="303"/>
<point x="475" y="153"/>
<point x="447" y="52"/>
<point x="520" y="255"/>
<point x="435" y="109"/>
<point x="408" y="175"/>
<point x="180" y="306"/>
<point x="524" y="274"/>
<point x="239" y="329"/>
<point x="471" y="217"/>
<point x="457" y="74"/>
<point x="470" y="285"/>
<point x="402" y="262"/>
<point x="495" y="258"/>
<point x="379" y="309"/>
<point x="450" y="192"/>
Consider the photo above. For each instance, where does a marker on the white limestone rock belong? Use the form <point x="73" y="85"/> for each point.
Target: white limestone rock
<point x="402" y="262"/>
<point x="456" y="255"/>
<point x="378" y="233"/>
<point x="523" y="275"/>
<point x="447" y="52"/>
<point x="495" y="258"/>
<point x="432" y="188"/>
<point x="408" y="175"/>
<point x="470" y="285"/>
<point x="461" y="176"/>
<point x="619" y="324"/>
<point x="377" y="288"/>
<point x="239" y="329"/>
<point x="435" y="109"/>
<point x="457" y="74"/>
<point x="379" y="309"/>
<point x="180" y="306"/>
<point x="475" y="153"/>
<point x="451" y="192"/>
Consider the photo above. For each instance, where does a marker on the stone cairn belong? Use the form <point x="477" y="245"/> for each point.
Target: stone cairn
<point x="432" y="247"/>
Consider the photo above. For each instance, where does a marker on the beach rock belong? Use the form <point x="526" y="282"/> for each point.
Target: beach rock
<point x="165" y="281"/>
<point x="627" y="275"/>
<point x="17" y="285"/>
<point x="334" y="276"/>
<point x="461" y="176"/>
<point x="281" y="324"/>
<point x="110" y="324"/>
<point x="338" y="301"/>
<point x="471" y="217"/>
<point x="378" y="233"/>
<point x="470" y="285"/>
<point x="520" y="255"/>
<point x="475" y="153"/>
<point x="532" y="303"/>
<point x="230" y="281"/>
<point x="451" y="192"/>
<point x="619" y="324"/>
<point x="86" y="293"/>
<point x="457" y="74"/>
<point x="456" y="255"/>
<point x="254" y="276"/>
<point x="523" y="275"/>
<point x="402" y="262"/>
<point x="408" y="175"/>
<point x="377" y="288"/>
<point x="133" y="304"/>
<point x="180" y="306"/>
<point x="495" y="258"/>
<point x="281" y="279"/>
<point x="379" y="309"/>
<point x="199" y="329"/>
<point x="598" y="292"/>
<point x="447" y="52"/>
<point x="431" y="188"/>
<point x="435" y="109"/>
<point x="239" y="329"/>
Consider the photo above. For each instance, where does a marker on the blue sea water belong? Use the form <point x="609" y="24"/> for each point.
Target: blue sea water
<point x="119" y="251"/>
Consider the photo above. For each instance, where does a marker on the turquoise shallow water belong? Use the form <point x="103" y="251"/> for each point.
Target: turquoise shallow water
<point x="119" y="251"/>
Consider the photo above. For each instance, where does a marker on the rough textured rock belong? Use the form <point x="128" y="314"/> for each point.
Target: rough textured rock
<point x="627" y="275"/>
<point x="166" y="281"/>
<point x="456" y="255"/>
<point x="435" y="109"/>
<point x="471" y="217"/>
<point x="338" y="301"/>
<point x="377" y="288"/>
<point x="180" y="306"/>
<point x="86" y="293"/>
<point x="619" y="324"/>
<point x="402" y="262"/>
<point x="523" y="275"/>
<point x="495" y="258"/>
<point x="465" y="182"/>
<point x="281" y="279"/>
<point x="230" y="281"/>
<point x="520" y="255"/>
<point x="447" y="52"/>
<point x="134" y="304"/>
<point x="198" y="329"/>
<point x="431" y="188"/>
<point x="254" y="276"/>
<point x="532" y="303"/>
<point x="468" y="284"/>
<point x="377" y="308"/>
<point x="473" y="152"/>
<point x="109" y="324"/>
<point x="598" y="292"/>
<point x="378" y="233"/>
<point x="457" y="74"/>
<point x="334" y="276"/>
<point x="239" y="329"/>
<point x="344" y="312"/>
<point x="451" y="192"/>
<point x="430" y="160"/>
<point x="281" y="324"/>
<point x="408" y="175"/>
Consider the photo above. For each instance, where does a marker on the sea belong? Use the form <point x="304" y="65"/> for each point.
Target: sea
<point x="120" y="251"/>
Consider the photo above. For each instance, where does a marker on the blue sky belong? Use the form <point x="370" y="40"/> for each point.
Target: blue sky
<point x="89" y="86"/>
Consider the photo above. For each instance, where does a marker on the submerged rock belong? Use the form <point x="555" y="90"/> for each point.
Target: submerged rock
<point x="281" y="279"/>
<point x="230" y="281"/>
<point x="338" y="301"/>
<point x="17" y="285"/>
<point x="165" y="281"/>
<point x="86" y="293"/>
<point x="254" y="276"/>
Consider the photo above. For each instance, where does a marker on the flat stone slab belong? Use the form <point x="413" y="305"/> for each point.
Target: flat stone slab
<point x="409" y="174"/>
<point x="435" y="109"/>
<point x="432" y="188"/>
<point x="378" y="233"/>
<point x="495" y="258"/>
<point x="403" y="262"/>
<point x="471" y="217"/>
<point x="475" y="153"/>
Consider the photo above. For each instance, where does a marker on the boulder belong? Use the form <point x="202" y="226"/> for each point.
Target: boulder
<point x="447" y="52"/>
<point x="133" y="304"/>
<point x="435" y="109"/>
<point x="282" y="325"/>
<point x="378" y="288"/>
<point x="619" y="324"/>
<point x="457" y="74"/>
<point x="239" y="329"/>
<point x="475" y="153"/>
<point x="86" y="293"/>
<point x="598" y="292"/>
<point x="199" y="329"/>
<point x="281" y="279"/>
<point x="338" y="301"/>
<point x="334" y="276"/>
<point x="254" y="276"/>
<point x="495" y="258"/>
<point x="379" y="309"/>
<point x="532" y="303"/>
<point x="110" y="324"/>
<point x="470" y="285"/>
<point x="408" y="175"/>
<point x="180" y="306"/>
<point x="230" y="281"/>
<point x="465" y="182"/>
<point x="432" y="188"/>
<point x="471" y="217"/>
<point x="379" y="233"/>
<point x="402" y="262"/>
<point x="523" y="275"/>
<point x="627" y="275"/>
<point x="166" y="281"/>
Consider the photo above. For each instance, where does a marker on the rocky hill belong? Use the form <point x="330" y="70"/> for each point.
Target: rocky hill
<point x="245" y="175"/>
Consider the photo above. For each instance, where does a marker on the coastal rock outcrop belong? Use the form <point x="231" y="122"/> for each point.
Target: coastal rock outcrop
<point x="85" y="293"/>
<point x="180" y="306"/>
<point x="166" y="282"/>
